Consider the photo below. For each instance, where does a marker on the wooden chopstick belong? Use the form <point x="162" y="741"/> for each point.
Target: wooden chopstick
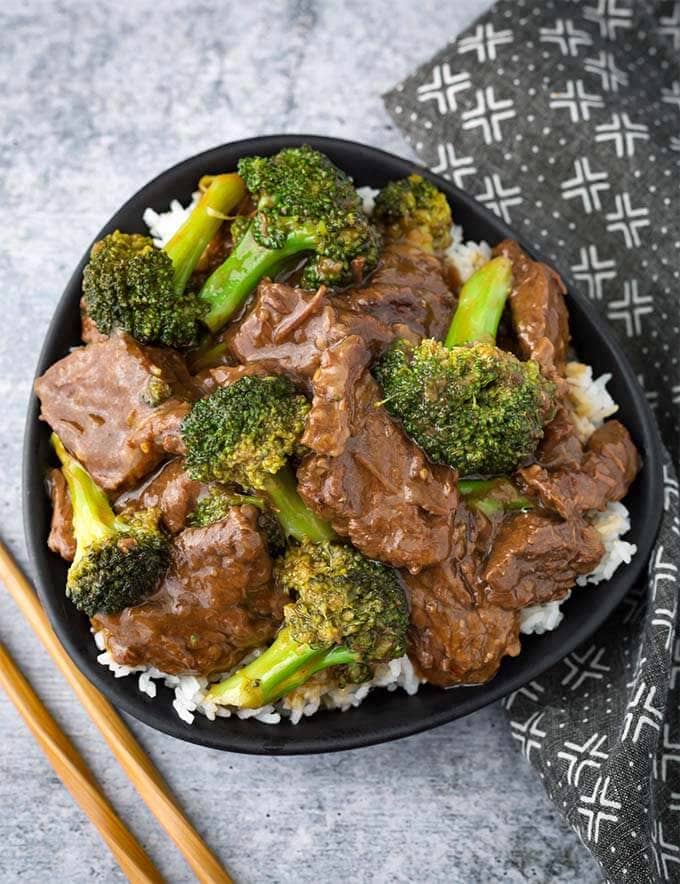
<point x="130" y="755"/>
<point x="75" y="775"/>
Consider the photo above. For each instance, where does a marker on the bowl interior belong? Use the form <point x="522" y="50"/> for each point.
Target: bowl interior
<point x="386" y="715"/>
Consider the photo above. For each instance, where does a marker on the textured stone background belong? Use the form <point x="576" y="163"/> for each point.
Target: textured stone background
<point x="96" y="99"/>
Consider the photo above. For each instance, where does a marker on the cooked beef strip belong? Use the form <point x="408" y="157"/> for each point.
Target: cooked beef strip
<point x="96" y="400"/>
<point x="465" y="611"/>
<point x="287" y="329"/>
<point x="333" y="416"/>
<point x="61" y="539"/>
<point x="216" y="602"/>
<point x="365" y="476"/>
<point x="537" y="557"/>
<point x="538" y="310"/>
<point x="560" y="445"/>
<point x="606" y="470"/>
<point x="171" y="490"/>
<point x="452" y="638"/>
<point x="408" y="292"/>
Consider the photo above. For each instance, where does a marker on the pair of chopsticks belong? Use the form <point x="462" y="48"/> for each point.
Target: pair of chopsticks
<point x="72" y="769"/>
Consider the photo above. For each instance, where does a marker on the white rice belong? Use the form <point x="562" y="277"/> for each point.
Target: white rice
<point x="368" y="195"/>
<point x="466" y="257"/>
<point x="589" y="398"/>
<point x="163" y="225"/>
<point x="591" y="403"/>
<point x="190" y="690"/>
<point x="612" y="524"/>
<point x="542" y="618"/>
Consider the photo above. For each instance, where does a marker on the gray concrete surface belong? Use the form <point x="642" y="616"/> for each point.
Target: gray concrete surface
<point x="96" y="99"/>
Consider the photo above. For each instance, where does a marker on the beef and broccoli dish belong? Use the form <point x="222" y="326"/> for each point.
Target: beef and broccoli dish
<point x="315" y="443"/>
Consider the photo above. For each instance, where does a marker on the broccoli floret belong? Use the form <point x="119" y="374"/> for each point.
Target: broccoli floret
<point x="132" y="285"/>
<point x="349" y="611"/>
<point x="476" y="408"/>
<point x="304" y="205"/>
<point x="467" y="403"/>
<point x="157" y="392"/>
<point x="119" y="558"/>
<point x="413" y="208"/>
<point x="245" y="433"/>
<point x="215" y="505"/>
<point x="270" y="528"/>
<point x="239" y="228"/>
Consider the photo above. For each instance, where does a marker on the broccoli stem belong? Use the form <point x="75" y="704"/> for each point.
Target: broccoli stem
<point x="480" y="304"/>
<point x="492" y="496"/>
<point x="296" y="519"/>
<point x="208" y="355"/>
<point x="283" y="667"/>
<point x="229" y="286"/>
<point x="93" y="518"/>
<point x="185" y="248"/>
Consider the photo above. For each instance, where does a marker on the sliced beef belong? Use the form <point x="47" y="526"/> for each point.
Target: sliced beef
<point x="612" y="458"/>
<point x="61" y="539"/>
<point x="101" y="400"/>
<point x="560" y="445"/>
<point x="334" y="412"/>
<point x="216" y="602"/>
<point x="365" y="476"/>
<point x="408" y="292"/>
<point x="452" y="638"/>
<point x="539" y="313"/>
<point x="164" y="429"/>
<point x="607" y="468"/>
<point x="171" y="490"/>
<point x="288" y="329"/>
<point x="537" y="557"/>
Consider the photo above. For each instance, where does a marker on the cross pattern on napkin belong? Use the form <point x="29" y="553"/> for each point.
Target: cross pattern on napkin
<point x="563" y="118"/>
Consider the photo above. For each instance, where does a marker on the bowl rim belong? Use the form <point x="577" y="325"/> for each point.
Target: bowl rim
<point x="133" y="703"/>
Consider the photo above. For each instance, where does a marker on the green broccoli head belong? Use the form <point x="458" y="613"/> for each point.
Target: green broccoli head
<point x="119" y="558"/>
<point x="415" y="209"/>
<point x="121" y="568"/>
<point x="130" y="284"/>
<point x="270" y="529"/>
<point x="239" y="227"/>
<point x="349" y="613"/>
<point x="245" y="432"/>
<point x="344" y="599"/>
<point x="305" y="203"/>
<point x="215" y="505"/>
<point x="476" y="408"/>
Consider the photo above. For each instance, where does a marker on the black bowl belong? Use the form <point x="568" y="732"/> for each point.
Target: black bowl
<point x="385" y="716"/>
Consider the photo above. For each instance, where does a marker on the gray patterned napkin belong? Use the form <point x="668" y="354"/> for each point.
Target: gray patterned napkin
<point x="564" y="119"/>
